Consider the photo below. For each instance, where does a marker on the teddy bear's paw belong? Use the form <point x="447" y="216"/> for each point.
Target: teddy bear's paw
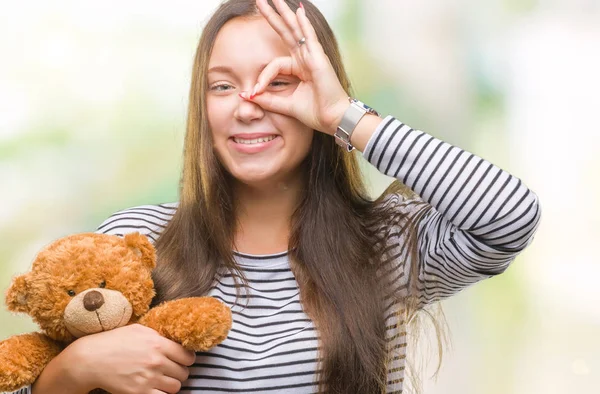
<point x="12" y="379"/>
<point x="22" y="358"/>
<point x="198" y="323"/>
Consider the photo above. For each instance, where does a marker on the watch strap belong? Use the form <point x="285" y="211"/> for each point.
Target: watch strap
<point x="352" y="116"/>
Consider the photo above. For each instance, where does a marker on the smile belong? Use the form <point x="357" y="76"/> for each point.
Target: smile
<point x="255" y="140"/>
<point x="254" y="145"/>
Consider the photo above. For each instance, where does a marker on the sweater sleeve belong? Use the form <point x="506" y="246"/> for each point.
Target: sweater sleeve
<point x="148" y="220"/>
<point x="479" y="218"/>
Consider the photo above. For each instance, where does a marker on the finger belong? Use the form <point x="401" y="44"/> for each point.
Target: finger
<point x="168" y="385"/>
<point x="276" y="22"/>
<point x="191" y="358"/>
<point x="275" y="103"/>
<point x="177" y="353"/>
<point x="290" y="19"/>
<point x="280" y="65"/>
<point x="308" y="31"/>
<point x="175" y="371"/>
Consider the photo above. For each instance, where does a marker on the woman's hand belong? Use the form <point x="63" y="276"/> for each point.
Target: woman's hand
<point x="131" y="359"/>
<point x="319" y="101"/>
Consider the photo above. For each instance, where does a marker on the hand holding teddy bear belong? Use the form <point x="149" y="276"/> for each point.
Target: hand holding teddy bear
<point x="94" y="283"/>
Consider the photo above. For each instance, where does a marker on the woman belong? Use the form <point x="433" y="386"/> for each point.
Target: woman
<point x="272" y="200"/>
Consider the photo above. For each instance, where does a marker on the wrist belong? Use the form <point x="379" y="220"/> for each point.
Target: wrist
<point x="85" y="374"/>
<point x="364" y="131"/>
<point x="354" y="115"/>
<point x="76" y="367"/>
<point x="338" y="114"/>
<point x="62" y="375"/>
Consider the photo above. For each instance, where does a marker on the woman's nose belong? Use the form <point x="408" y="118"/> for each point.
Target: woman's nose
<point x="247" y="111"/>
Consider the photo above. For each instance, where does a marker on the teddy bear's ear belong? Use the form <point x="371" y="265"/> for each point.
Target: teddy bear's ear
<point x="16" y="295"/>
<point x="141" y="245"/>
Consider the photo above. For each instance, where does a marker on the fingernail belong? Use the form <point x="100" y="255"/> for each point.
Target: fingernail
<point x="254" y="91"/>
<point x="301" y="6"/>
<point x="243" y="95"/>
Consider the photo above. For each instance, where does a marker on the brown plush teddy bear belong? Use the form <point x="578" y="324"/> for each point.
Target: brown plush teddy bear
<point x="87" y="283"/>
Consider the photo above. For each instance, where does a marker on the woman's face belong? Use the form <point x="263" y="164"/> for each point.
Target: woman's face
<point x="255" y="146"/>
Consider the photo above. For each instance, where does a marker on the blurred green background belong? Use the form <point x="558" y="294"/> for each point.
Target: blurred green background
<point x="92" y="110"/>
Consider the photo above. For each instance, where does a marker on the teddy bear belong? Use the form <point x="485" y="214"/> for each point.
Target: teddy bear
<point x="87" y="283"/>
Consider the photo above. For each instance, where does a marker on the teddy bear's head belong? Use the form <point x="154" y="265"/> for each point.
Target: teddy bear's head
<point x="86" y="283"/>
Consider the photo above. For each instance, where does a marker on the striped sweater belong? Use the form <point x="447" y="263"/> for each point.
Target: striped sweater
<point x="481" y="217"/>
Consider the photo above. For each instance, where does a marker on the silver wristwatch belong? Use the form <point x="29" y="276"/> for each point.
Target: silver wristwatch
<point x="353" y="115"/>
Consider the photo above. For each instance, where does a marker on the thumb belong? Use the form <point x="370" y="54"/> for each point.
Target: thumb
<point x="273" y="103"/>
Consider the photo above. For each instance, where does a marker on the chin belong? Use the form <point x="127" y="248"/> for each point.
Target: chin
<point x="252" y="179"/>
<point x="262" y="177"/>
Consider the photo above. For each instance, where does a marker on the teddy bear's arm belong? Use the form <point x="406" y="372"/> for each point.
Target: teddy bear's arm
<point x="197" y="323"/>
<point x="23" y="357"/>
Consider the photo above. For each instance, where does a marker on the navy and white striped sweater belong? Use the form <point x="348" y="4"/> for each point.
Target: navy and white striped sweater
<point x="481" y="218"/>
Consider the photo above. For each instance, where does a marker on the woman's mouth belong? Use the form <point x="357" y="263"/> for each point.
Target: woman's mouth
<point x="254" y="140"/>
<point x="254" y="145"/>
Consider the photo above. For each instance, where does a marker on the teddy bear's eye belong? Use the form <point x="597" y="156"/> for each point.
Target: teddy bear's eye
<point x="71" y="293"/>
<point x="103" y="284"/>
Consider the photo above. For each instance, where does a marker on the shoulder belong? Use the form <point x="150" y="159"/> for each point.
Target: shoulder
<point x="148" y="220"/>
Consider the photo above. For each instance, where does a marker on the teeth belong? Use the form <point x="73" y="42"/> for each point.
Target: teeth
<point x="254" y="141"/>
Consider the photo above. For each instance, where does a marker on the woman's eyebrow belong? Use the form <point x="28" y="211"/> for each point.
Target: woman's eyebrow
<point x="221" y="69"/>
<point x="229" y="70"/>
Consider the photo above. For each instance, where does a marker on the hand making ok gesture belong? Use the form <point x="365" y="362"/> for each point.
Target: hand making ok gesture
<point x="319" y="101"/>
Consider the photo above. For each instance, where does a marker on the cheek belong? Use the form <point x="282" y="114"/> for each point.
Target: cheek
<point x="297" y="136"/>
<point x="50" y="306"/>
<point x="220" y="116"/>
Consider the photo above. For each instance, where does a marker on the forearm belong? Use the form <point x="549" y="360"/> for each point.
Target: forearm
<point x="59" y="377"/>
<point x="482" y="217"/>
<point x="473" y="194"/>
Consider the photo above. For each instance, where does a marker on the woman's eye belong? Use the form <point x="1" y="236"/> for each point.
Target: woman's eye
<point x="279" y="83"/>
<point x="220" y="88"/>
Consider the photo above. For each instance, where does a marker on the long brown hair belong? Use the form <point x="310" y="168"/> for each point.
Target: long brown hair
<point x="336" y="247"/>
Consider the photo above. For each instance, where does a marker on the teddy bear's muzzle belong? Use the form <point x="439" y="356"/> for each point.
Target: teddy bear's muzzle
<point x="96" y="310"/>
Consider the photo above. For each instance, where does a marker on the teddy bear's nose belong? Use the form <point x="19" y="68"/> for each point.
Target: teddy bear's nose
<point x="93" y="300"/>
